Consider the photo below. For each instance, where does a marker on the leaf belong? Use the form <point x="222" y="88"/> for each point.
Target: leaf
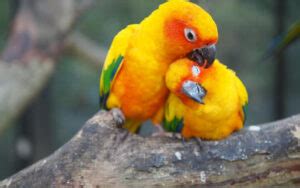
<point x="281" y="42"/>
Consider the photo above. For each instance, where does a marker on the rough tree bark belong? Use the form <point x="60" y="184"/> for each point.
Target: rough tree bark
<point x="37" y="38"/>
<point x="101" y="154"/>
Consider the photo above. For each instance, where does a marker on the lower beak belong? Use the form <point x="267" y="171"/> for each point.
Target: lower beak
<point x="204" y="56"/>
<point x="194" y="91"/>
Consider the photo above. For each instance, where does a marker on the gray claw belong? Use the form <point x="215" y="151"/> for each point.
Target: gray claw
<point x="118" y="116"/>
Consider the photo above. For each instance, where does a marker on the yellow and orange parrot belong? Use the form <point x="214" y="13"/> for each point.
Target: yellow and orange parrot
<point x="206" y="103"/>
<point x="133" y="76"/>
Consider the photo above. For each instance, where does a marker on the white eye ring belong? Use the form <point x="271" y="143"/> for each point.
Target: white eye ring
<point x="190" y="35"/>
<point x="196" y="71"/>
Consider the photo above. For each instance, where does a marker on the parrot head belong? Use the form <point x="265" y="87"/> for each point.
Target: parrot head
<point x="189" y="31"/>
<point x="185" y="78"/>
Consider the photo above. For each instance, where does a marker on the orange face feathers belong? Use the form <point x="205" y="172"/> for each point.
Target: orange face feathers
<point x="190" y="33"/>
<point x="183" y="70"/>
<point x="182" y="28"/>
<point x="188" y="25"/>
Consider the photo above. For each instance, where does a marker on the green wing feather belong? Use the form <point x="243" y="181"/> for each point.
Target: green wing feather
<point x="107" y="78"/>
<point x="175" y="125"/>
<point x="173" y="118"/>
<point x="245" y="111"/>
<point x="114" y="61"/>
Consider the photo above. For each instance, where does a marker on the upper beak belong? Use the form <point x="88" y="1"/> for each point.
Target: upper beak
<point x="194" y="91"/>
<point x="204" y="56"/>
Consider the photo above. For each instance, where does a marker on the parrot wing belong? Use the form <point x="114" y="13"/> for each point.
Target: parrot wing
<point x="113" y="62"/>
<point x="243" y="95"/>
<point x="174" y="111"/>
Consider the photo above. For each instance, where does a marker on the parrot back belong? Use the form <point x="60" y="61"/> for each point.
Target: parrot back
<point x="113" y="63"/>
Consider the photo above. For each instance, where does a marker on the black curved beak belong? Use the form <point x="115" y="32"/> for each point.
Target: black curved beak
<point x="204" y="56"/>
<point x="194" y="91"/>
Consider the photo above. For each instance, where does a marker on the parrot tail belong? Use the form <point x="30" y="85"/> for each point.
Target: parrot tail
<point x="132" y="126"/>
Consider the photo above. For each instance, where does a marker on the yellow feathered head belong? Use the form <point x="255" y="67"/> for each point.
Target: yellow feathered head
<point x="185" y="29"/>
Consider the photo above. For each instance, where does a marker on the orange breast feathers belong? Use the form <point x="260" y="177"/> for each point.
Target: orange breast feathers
<point x="140" y="93"/>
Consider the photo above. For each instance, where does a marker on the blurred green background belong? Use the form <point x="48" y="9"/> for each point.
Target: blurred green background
<point x="246" y="29"/>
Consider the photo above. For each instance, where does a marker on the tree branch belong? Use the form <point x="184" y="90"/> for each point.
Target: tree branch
<point x="19" y="85"/>
<point x="40" y="27"/>
<point x="37" y="38"/>
<point x="79" y="45"/>
<point x="101" y="154"/>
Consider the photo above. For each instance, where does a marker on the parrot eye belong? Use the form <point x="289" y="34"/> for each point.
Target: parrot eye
<point x="190" y="35"/>
<point x="196" y="71"/>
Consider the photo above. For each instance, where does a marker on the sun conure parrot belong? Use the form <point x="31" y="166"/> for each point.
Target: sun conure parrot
<point x="206" y="103"/>
<point x="133" y="76"/>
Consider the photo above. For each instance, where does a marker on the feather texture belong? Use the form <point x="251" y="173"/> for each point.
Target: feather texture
<point x="223" y="110"/>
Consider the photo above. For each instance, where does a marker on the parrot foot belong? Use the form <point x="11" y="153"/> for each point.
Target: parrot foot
<point x="118" y="116"/>
<point x="199" y="142"/>
<point x="178" y="136"/>
<point x="160" y="132"/>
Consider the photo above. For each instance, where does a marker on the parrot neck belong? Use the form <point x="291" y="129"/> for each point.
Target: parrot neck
<point x="149" y="43"/>
<point x="152" y="39"/>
